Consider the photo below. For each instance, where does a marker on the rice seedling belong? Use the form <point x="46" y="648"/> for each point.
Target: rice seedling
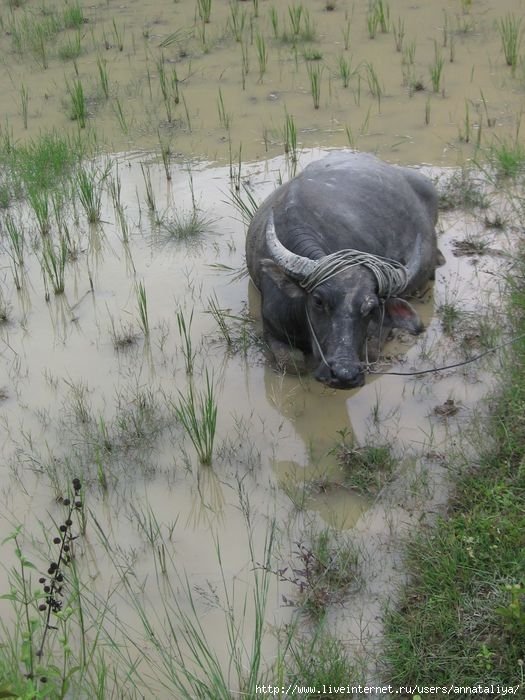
<point x="188" y="350"/>
<point x="118" y="36"/>
<point x="73" y="16"/>
<point x="274" y="19"/>
<point x="452" y="49"/>
<point x="312" y="55"/>
<point x="122" y="223"/>
<point x="175" y="86"/>
<point x="165" y="154"/>
<point x="290" y="137"/>
<point x="262" y="54"/>
<point x="308" y="32"/>
<point x="142" y="306"/>
<point x="235" y="172"/>
<point x="39" y="202"/>
<point x="409" y="54"/>
<point x="198" y="414"/>
<point x="179" y="39"/>
<point x="118" y="111"/>
<point x="245" y="58"/>
<point x="24" y="102"/>
<point x="399" y="34"/>
<point x="465" y="134"/>
<point x="510" y="34"/>
<point x="225" y="118"/>
<point x="53" y="264"/>
<point x="103" y="75"/>
<point x="5" y="311"/>
<point x="89" y="186"/>
<point x="236" y="20"/>
<point x="16" y="242"/>
<point x="219" y="315"/>
<point x="245" y="203"/>
<point x="350" y="136"/>
<point x="295" y="13"/>
<point x="78" y="107"/>
<point x="164" y="87"/>
<point x="383" y="13"/>
<point x="346" y="33"/>
<point x="204" y="9"/>
<point x="489" y="120"/>
<point x="374" y="83"/>
<point x="427" y="111"/>
<point x="38" y="33"/>
<point x="71" y="49"/>
<point x="187" y="113"/>
<point x="372" y="22"/>
<point x="150" y="194"/>
<point x="436" y="69"/>
<point x="315" y="72"/>
<point x="345" y="70"/>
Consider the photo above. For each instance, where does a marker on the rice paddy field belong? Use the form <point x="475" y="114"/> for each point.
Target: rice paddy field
<point x="233" y="528"/>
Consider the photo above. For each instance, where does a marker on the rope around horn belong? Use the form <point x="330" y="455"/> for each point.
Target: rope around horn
<point x="391" y="275"/>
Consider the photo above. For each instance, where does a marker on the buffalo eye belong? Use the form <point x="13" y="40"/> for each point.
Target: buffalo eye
<point x="317" y="301"/>
<point x="369" y="304"/>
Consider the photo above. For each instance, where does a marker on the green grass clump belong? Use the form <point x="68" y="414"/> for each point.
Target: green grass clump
<point x="366" y="469"/>
<point x="320" y="662"/>
<point x="73" y="16"/>
<point x="462" y="619"/>
<point x="510" y="34"/>
<point x="323" y="571"/>
<point x="39" y="165"/>
<point x="185" y="225"/>
<point x="197" y="412"/>
<point x="508" y="158"/>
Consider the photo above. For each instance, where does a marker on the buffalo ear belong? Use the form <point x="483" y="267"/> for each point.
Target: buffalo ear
<point x="281" y="279"/>
<point x="402" y="315"/>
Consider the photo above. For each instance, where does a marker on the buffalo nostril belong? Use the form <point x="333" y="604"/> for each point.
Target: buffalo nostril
<point x="343" y="377"/>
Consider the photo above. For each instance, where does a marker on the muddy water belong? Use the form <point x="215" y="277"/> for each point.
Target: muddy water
<point x="390" y="105"/>
<point x="72" y="403"/>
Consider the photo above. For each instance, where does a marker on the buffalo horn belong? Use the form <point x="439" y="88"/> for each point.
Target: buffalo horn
<point x="413" y="266"/>
<point x="296" y="266"/>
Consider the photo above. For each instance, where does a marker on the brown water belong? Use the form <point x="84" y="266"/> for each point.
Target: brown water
<point x="72" y="404"/>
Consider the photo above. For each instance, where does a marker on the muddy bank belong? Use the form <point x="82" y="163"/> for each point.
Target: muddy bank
<point x="425" y="83"/>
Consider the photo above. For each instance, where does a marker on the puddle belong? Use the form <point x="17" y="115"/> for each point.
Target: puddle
<point x="76" y="405"/>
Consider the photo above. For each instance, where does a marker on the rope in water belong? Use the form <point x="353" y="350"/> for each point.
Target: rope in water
<point x="391" y="275"/>
<point x="468" y="361"/>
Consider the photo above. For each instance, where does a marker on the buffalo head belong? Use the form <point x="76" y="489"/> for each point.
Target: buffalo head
<point x="340" y="296"/>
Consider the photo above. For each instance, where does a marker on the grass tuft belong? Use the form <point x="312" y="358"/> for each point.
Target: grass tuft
<point x="197" y="411"/>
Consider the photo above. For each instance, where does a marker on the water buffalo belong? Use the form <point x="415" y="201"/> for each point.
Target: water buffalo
<point x="332" y="250"/>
